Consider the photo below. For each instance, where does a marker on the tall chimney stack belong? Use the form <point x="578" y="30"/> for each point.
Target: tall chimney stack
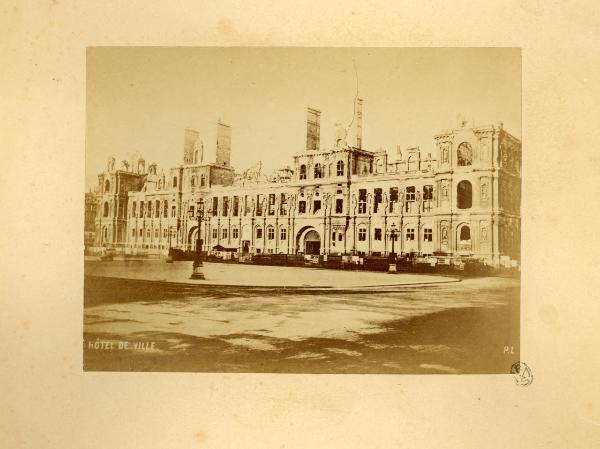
<point x="358" y="121"/>
<point x="313" y="129"/>
<point x="190" y="139"/>
<point x="223" y="144"/>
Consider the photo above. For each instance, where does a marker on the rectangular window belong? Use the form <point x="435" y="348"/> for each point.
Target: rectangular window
<point x="192" y="211"/>
<point x="316" y="206"/>
<point x="156" y="233"/>
<point x="339" y="205"/>
<point x="362" y="201"/>
<point x="393" y="197"/>
<point x="165" y="209"/>
<point x="224" y="233"/>
<point x="215" y="233"/>
<point x="173" y="211"/>
<point x="410" y="197"/>
<point x="225" y="210"/>
<point x="259" y="199"/>
<point x="133" y="209"/>
<point x="133" y="232"/>
<point x="301" y="207"/>
<point x="283" y="234"/>
<point x="236" y="205"/>
<point x="149" y="211"/>
<point x="410" y="234"/>
<point x="271" y="204"/>
<point x="246" y="205"/>
<point x="377" y="234"/>
<point x="165" y="233"/>
<point x="215" y="206"/>
<point x="235" y="233"/>
<point x="270" y="233"/>
<point x="340" y="237"/>
<point x="157" y="209"/>
<point x="378" y="198"/>
<point x="428" y="235"/>
<point x="141" y="233"/>
<point x="259" y="233"/>
<point x="148" y="234"/>
<point x="141" y="209"/>
<point x="362" y="234"/>
<point x="427" y="197"/>
<point x="283" y="204"/>
<point x="427" y="193"/>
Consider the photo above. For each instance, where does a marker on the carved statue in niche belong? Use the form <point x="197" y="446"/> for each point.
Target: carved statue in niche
<point x="444" y="192"/>
<point x="484" y="190"/>
<point x="485" y="150"/>
<point x="445" y="152"/>
<point x="484" y="234"/>
<point x="444" y="234"/>
<point x="464" y="154"/>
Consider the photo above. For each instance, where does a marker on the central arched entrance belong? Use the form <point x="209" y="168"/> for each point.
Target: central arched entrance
<point x="193" y="239"/>
<point x="308" y="241"/>
<point x="312" y="242"/>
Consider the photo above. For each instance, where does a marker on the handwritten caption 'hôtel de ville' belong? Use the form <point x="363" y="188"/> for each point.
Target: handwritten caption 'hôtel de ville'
<point x="123" y="345"/>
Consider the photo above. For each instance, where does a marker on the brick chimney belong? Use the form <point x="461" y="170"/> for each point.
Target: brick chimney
<point x="223" y="145"/>
<point x="313" y="129"/>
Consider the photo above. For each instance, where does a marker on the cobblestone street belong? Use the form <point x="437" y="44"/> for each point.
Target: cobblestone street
<point x="458" y="327"/>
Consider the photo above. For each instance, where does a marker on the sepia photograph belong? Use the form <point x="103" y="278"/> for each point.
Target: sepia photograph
<point x="303" y="210"/>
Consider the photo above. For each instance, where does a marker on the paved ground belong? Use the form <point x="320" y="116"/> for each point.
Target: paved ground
<point x="253" y="275"/>
<point x="135" y="325"/>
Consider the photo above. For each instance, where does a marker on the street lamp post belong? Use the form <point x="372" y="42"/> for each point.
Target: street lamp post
<point x="393" y="237"/>
<point x="197" y="266"/>
<point x="170" y="255"/>
<point x="392" y="257"/>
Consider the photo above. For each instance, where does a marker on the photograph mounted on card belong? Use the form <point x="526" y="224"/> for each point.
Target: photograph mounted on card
<point x="303" y="210"/>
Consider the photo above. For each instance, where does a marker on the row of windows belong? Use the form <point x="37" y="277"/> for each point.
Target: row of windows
<point x="165" y="233"/>
<point x="148" y="210"/>
<point x="236" y="205"/>
<point x="319" y="170"/>
<point x="409" y="234"/>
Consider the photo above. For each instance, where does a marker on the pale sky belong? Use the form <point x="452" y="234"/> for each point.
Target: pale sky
<point x="139" y="100"/>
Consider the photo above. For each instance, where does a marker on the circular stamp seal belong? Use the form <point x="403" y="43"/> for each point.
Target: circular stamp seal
<point x="521" y="373"/>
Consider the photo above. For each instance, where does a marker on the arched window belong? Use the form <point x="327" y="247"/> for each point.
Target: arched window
<point x="464" y="154"/>
<point x="107" y="185"/>
<point x="174" y="181"/>
<point x="318" y="171"/>
<point x="303" y="171"/>
<point x="202" y="180"/>
<point x="464" y="195"/>
<point x="411" y="163"/>
<point x="340" y="168"/>
<point x="465" y="233"/>
<point x="105" y="209"/>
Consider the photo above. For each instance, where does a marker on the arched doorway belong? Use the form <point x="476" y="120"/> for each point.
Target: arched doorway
<point x="193" y="239"/>
<point x="312" y="242"/>
<point x="308" y="240"/>
<point x="463" y="241"/>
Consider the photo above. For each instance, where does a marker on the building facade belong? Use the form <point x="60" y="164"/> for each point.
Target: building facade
<point x="462" y="199"/>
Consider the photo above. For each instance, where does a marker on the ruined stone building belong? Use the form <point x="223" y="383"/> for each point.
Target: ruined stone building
<point x="461" y="197"/>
